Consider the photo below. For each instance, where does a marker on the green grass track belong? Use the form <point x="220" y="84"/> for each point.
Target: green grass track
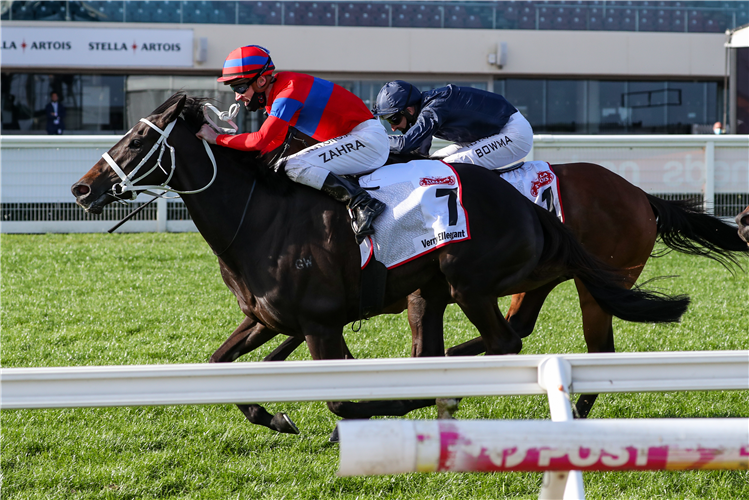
<point x="74" y="300"/>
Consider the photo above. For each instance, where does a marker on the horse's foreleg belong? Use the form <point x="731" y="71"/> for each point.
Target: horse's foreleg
<point x="283" y="351"/>
<point x="426" y="312"/>
<point x="248" y="336"/>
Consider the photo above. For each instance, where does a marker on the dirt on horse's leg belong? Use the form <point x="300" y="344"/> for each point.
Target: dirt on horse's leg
<point x="426" y="315"/>
<point x="248" y="336"/>
<point x="599" y="337"/>
<point x="426" y="311"/>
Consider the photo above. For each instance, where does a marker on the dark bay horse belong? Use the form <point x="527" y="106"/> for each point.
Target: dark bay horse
<point x="261" y="225"/>
<point x="615" y="221"/>
<point x="743" y="222"/>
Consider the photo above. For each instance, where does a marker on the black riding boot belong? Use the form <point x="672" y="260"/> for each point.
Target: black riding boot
<point x="364" y="207"/>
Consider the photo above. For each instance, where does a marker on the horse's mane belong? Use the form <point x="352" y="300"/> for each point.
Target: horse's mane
<point x="192" y="114"/>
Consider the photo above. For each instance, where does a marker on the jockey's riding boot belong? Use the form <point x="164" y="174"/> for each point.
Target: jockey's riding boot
<point x="363" y="207"/>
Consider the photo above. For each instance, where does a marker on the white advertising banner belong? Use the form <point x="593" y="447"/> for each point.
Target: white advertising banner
<point x="96" y="47"/>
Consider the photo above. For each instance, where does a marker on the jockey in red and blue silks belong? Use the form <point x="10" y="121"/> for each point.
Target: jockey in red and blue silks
<point x="352" y="141"/>
<point x="487" y="130"/>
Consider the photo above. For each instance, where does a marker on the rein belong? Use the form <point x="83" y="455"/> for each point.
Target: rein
<point x="241" y="221"/>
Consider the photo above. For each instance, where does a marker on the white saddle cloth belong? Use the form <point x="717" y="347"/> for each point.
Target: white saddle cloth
<point x="424" y="211"/>
<point x="537" y="182"/>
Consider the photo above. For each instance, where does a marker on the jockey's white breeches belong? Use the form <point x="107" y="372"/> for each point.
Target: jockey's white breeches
<point x="511" y="144"/>
<point x="363" y="150"/>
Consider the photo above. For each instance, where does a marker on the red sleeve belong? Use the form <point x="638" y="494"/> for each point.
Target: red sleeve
<point x="255" y="141"/>
<point x="275" y="143"/>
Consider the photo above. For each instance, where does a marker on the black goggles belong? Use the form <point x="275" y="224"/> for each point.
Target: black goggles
<point x="241" y="87"/>
<point x="394" y="119"/>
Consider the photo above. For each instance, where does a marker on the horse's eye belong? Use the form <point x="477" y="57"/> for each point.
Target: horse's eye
<point x="136" y="144"/>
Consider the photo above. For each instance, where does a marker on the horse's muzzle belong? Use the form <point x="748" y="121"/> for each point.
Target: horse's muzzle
<point x="84" y="198"/>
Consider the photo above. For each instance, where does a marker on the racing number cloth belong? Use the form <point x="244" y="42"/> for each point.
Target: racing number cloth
<point x="424" y="211"/>
<point x="536" y="181"/>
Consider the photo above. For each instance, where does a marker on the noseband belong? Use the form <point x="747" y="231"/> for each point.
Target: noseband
<point x="128" y="181"/>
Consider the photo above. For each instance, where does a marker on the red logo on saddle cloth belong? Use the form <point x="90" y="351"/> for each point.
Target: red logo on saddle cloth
<point x="544" y="178"/>
<point x="431" y="181"/>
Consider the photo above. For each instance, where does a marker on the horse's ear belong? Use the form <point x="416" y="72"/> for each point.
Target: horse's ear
<point x="172" y="112"/>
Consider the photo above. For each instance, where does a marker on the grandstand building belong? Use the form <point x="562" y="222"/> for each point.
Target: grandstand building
<point x="596" y="67"/>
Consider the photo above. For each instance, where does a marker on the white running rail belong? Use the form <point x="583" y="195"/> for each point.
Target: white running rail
<point x="145" y="385"/>
<point x="557" y="376"/>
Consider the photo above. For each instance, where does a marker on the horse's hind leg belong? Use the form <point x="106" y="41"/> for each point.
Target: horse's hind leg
<point x="498" y="335"/>
<point x="599" y="337"/>
<point x="426" y="315"/>
<point x="522" y="316"/>
<point x="248" y="336"/>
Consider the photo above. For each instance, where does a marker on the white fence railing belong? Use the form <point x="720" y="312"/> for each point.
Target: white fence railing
<point x="373" y="379"/>
<point x="38" y="171"/>
<point x="134" y="385"/>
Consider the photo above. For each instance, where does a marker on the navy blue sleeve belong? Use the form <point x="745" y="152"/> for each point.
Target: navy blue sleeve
<point x="425" y="147"/>
<point x="422" y="130"/>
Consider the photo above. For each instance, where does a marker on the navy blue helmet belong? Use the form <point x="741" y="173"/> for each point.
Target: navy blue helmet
<point x="394" y="97"/>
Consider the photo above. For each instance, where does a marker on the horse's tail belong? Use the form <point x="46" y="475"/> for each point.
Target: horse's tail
<point x="602" y="280"/>
<point x="685" y="227"/>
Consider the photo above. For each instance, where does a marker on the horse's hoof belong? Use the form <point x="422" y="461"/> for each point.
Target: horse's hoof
<point x="334" y="435"/>
<point x="282" y="423"/>
<point x="446" y="407"/>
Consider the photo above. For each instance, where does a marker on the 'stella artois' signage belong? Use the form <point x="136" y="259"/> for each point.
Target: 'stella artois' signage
<point x="99" y="47"/>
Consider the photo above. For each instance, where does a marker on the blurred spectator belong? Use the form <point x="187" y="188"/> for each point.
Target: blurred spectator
<point x="718" y="128"/>
<point x="55" y="111"/>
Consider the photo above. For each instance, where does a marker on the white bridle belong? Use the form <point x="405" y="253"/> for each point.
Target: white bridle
<point x="128" y="180"/>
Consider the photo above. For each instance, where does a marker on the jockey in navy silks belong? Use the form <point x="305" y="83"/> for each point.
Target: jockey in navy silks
<point x="485" y="128"/>
<point x="352" y="141"/>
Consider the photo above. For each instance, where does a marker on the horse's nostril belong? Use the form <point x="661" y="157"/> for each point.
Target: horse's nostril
<point x="81" y="190"/>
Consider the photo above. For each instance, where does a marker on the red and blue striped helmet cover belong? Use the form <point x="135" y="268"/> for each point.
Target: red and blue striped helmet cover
<point x="250" y="61"/>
